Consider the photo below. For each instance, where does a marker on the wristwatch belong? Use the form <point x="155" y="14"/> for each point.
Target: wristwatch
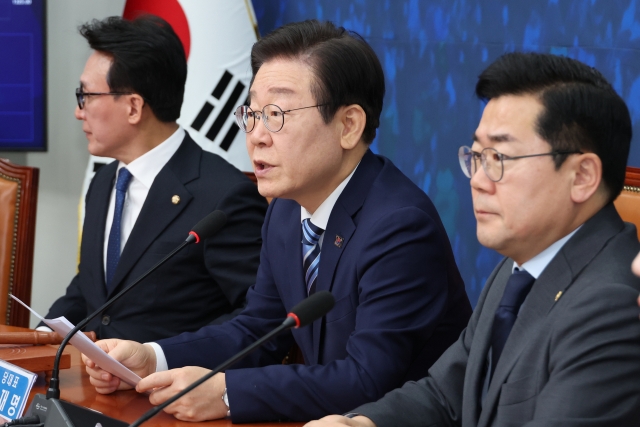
<point x="225" y="399"/>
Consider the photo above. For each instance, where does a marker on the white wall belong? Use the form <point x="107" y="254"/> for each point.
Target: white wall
<point x="62" y="167"/>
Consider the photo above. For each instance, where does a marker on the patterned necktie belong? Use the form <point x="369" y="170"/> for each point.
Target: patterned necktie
<point x="518" y="287"/>
<point x="113" y="249"/>
<point x="310" y="253"/>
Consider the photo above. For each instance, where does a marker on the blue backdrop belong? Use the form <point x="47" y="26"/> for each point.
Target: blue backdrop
<point x="432" y="52"/>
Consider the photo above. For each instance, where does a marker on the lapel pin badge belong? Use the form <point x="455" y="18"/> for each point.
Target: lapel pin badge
<point x="338" y="241"/>
<point x="558" y="295"/>
<point x="175" y="199"/>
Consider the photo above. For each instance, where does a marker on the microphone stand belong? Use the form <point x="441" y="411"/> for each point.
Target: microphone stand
<point x="58" y="413"/>
<point x="54" y="384"/>
<point x="287" y="324"/>
<point x="305" y="312"/>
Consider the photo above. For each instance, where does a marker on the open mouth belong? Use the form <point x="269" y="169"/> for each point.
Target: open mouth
<point x="261" y="168"/>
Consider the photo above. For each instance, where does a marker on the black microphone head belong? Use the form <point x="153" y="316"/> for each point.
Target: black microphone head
<point x="312" y="308"/>
<point x="208" y="226"/>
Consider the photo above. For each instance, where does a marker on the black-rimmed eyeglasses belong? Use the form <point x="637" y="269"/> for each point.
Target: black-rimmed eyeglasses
<point x="80" y="95"/>
<point x="492" y="161"/>
<point x="272" y="117"/>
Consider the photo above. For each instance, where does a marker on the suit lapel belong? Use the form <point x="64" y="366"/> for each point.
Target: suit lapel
<point x="530" y="318"/>
<point x="339" y="230"/>
<point x="476" y="367"/>
<point x="294" y="289"/>
<point x="101" y="187"/>
<point x="158" y="211"/>
<point x="559" y="275"/>
<point x="100" y="192"/>
<point x="293" y="250"/>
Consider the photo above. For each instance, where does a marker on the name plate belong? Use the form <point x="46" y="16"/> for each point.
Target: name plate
<point x="15" y="385"/>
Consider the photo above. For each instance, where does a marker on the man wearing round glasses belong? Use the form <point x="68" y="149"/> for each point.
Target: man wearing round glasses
<point x="343" y="220"/>
<point x="555" y="337"/>
<point x="140" y="207"/>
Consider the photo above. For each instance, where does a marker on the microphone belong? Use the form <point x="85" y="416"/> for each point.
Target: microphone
<point x="305" y="312"/>
<point x="310" y="309"/>
<point x="205" y="228"/>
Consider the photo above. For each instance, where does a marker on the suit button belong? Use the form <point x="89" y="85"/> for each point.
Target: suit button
<point x="106" y="320"/>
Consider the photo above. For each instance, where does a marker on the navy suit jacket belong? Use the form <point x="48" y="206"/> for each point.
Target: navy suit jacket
<point x="202" y="284"/>
<point x="400" y="302"/>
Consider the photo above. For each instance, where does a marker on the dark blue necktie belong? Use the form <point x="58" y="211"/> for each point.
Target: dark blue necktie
<point x="518" y="287"/>
<point x="310" y="253"/>
<point x="113" y="249"/>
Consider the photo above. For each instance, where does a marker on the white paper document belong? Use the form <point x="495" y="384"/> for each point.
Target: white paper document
<point x="80" y="341"/>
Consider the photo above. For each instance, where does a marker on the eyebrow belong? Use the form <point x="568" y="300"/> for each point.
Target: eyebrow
<point x="276" y="89"/>
<point x="501" y="137"/>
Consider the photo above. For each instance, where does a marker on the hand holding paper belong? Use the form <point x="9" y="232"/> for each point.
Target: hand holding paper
<point x="80" y="341"/>
<point x="140" y="358"/>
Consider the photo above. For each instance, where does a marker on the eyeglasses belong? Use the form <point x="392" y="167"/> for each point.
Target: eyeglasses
<point x="272" y="117"/>
<point x="80" y="95"/>
<point x="493" y="161"/>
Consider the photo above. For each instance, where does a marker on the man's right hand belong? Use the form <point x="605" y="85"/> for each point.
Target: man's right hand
<point x="140" y="358"/>
<point x="339" y="421"/>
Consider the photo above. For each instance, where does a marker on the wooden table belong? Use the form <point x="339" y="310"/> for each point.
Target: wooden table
<point x="123" y="405"/>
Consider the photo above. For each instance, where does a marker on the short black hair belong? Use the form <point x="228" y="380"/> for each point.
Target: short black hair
<point x="148" y="59"/>
<point x="581" y="110"/>
<point x="346" y="69"/>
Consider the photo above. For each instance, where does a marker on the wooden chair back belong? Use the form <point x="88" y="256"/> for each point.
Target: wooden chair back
<point x="628" y="202"/>
<point x="18" y="203"/>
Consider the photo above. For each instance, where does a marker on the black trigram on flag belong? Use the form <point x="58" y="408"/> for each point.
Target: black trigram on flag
<point x="224" y="113"/>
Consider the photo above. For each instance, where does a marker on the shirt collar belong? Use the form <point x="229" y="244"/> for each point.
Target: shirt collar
<point x="536" y="265"/>
<point x="146" y="167"/>
<point x="320" y="217"/>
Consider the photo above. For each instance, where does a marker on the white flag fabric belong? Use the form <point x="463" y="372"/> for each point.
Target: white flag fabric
<point x="217" y="36"/>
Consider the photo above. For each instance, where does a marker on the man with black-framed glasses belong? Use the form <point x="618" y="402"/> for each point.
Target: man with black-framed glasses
<point x="555" y="339"/>
<point x="342" y="220"/>
<point x="140" y="207"/>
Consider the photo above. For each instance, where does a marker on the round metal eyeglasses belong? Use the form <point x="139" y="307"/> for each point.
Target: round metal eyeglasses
<point x="272" y="117"/>
<point x="492" y="161"/>
<point x="80" y="95"/>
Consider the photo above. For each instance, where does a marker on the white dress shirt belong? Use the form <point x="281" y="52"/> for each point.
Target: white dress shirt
<point x="144" y="170"/>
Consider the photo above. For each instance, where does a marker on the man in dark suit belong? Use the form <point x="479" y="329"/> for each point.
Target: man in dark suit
<point x="554" y="339"/>
<point x="343" y="220"/>
<point x="142" y="206"/>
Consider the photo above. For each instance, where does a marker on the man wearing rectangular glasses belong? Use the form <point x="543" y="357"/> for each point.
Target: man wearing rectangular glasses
<point x="342" y="220"/>
<point x="141" y="207"/>
<point x="554" y="340"/>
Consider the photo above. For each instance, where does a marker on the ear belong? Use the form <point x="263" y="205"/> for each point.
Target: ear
<point x="353" y="119"/>
<point x="134" y="106"/>
<point x="587" y="176"/>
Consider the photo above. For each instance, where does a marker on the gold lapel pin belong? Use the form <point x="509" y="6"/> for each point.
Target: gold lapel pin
<point x="175" y="199"/>
<point x="558" y="295"/>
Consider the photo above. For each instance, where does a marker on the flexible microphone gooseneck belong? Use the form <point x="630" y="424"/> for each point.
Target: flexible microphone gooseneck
<point x="305" y="312"/>
<point x="207" y="227"/>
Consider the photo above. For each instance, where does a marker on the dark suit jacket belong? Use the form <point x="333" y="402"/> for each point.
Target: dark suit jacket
<point x="202" y="283"/>
<point x="400" y="302"/>
<point x="572" y="359"/>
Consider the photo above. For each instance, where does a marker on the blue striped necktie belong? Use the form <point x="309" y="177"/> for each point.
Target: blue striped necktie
<point x="113" y="249"/>
<point x="310" y="253"/>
